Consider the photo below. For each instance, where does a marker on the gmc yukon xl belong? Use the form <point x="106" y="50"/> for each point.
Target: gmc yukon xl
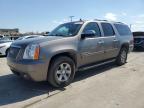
<point x="69" y="48"/>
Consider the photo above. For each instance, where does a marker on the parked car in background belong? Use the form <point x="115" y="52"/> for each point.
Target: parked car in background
<point x="70" y="47"/>
<point x="5" y="45"/>
<point x="138" y="40"/>
<point x="5" y="38"/>
<point x="46" y="33"/>
<point x="29" y="37"/>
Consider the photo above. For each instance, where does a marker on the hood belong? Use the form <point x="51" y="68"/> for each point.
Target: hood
<point x="26" y="42"/>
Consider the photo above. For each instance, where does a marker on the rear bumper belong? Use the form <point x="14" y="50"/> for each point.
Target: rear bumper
<point x="34" y="70"/>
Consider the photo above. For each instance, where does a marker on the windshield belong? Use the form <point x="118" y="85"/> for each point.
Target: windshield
<point x="67" y="29"/>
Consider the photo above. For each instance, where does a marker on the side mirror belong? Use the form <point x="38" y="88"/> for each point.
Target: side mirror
<point x="88" y="34"/>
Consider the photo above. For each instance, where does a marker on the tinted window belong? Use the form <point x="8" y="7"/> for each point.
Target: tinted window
<point x="94" y="27"/>
<point x="123" y="29"/>
<point x="108" y="29"/>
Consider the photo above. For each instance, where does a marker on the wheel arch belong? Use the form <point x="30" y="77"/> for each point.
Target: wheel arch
<point x="6" y="51"/>
<point x="125" y="45"/>
<point x="70" y="54"/>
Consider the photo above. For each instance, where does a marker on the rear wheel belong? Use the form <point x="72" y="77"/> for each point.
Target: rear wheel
<point x="122" y="57"/>
<point x="61" y="72"/>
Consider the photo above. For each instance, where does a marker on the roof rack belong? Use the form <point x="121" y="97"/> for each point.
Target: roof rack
<point x="107" y="20"/>
<point x="119" y="22"/>
<point x="100" y="20"/>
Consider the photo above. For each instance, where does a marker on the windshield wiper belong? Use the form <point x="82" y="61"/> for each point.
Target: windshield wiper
<point x="56" y="35"/>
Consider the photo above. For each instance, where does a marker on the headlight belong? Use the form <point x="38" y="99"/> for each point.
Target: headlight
<point x="32" y="52"/>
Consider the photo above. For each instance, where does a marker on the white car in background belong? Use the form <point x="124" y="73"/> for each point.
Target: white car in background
<point x="29" y="37"/>
<point x="4" y="46"/>
<point x="6" y="42"/>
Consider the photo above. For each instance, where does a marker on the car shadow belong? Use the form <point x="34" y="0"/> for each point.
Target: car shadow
<point x="1" y="56"/>
<point x="15" y="89"/>
<point x="94" y="71"/>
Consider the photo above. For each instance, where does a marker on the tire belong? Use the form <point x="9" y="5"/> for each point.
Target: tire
<point x="61" y="72"/>
<point x="122" y="57"/>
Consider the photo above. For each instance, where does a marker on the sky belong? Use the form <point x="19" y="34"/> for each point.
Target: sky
<point x="44" y="15"/>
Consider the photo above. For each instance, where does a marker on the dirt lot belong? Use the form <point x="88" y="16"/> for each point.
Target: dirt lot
<point x="108" y="86"/>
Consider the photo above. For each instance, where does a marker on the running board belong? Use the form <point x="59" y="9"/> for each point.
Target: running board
<point x="97" y="65"/>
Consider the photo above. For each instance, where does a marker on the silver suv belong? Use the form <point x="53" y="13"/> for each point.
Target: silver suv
<point x="70" y="47"/>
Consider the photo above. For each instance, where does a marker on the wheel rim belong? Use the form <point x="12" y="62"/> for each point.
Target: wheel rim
<point x="123" y="56"/>
<point x="63" y="72"/>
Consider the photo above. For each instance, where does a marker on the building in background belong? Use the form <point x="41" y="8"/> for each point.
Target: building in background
<point x="15" y="33"/>
<point x="9" y="32"/>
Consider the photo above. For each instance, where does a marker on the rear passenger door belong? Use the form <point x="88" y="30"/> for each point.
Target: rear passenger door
<point x="110" y="41"/>
<point x="91" y="48"/>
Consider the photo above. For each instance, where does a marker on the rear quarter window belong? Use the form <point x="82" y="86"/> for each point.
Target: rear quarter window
<point x="108" y="29"/>
<point x="123" y="30"/>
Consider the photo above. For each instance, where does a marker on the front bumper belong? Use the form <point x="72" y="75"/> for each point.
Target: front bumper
<point x="34" y="70"/>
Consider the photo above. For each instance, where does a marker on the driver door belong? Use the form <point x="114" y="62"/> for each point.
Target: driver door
<point x="91" y="48"/>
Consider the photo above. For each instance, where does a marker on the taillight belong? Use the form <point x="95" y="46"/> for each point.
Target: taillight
<point x="132" y="41"/>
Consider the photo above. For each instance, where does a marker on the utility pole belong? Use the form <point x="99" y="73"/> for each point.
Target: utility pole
<point x="130" y="26"/>
<point x="71" y="18"/>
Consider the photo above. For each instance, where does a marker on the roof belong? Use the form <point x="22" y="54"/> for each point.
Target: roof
<point x="97" y="20"/>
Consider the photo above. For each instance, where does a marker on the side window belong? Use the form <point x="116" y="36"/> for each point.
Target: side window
<point x="94" y="27"/>
<point x="108" y="29"/>
<point x="123" y="30"/>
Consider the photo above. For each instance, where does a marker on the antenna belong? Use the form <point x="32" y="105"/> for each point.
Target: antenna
<point x="71" y="18"/>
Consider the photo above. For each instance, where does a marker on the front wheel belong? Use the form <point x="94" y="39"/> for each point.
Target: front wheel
<point x="122" y="57"/>
<point x="61" y="72"/>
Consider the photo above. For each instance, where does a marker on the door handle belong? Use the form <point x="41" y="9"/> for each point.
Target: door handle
<point x="115" y="40"/>
<point x="101" y="42"/>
